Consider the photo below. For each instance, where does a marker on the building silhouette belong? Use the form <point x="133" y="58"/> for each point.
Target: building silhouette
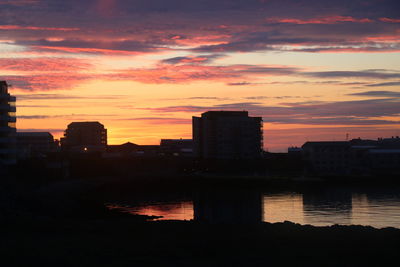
<point x="7" y="126"/>
<point x="354" y="157"/>
<point x="132" y="150"/>
<point x="35" y="144"/>
<point x="176" y="147"/>
<point x="330" y="157"/>
<point x="84" y="137"/>
<point x="227" y="135"/>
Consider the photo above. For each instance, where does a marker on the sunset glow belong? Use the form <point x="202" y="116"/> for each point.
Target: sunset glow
<point x="314" y="70"/>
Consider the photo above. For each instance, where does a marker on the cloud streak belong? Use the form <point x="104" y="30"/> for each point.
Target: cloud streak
<point x="356" y="112"/>
<point x="140" y="26"/>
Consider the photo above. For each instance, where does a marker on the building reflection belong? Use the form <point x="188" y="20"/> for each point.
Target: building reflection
<point x="283" y="207"/>
<point x="236" y="206"/>
<point x="327" y="206"/>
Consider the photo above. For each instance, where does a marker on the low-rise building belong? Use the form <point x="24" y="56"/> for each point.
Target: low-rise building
<point x="176" y="147"/>
<point x="355" y="157"/>
<point x="329" y="158"/>
<point x="35" y="144"/>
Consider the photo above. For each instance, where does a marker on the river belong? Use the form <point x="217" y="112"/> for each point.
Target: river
<point x="372" y="206"/>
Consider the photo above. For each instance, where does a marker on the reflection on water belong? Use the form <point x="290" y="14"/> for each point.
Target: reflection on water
<point x="283" y="207"/>
<point x="166" y="211"/>
<point x="382" y="211"/>
<point x="316" y="207"/>
<point x="333" y="207"/>
<point x="326" y="207"/>
<point x="228" y="207"/>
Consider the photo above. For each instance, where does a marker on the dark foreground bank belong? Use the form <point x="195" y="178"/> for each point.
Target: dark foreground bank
<point x="131" y="242"/>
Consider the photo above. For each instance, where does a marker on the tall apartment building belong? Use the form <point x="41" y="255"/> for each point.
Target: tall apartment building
<point x="227" y="135"/>
<point x="84" y="136"/>
<point x="7" y="126"/>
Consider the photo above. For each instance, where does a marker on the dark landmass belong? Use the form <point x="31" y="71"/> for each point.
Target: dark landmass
<point x="63" y="222"/>
<point x="126" y="242"/>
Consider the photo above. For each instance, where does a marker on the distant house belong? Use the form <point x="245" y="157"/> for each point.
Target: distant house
<point x="227" y="135"/>
<point x="84" y="137"/>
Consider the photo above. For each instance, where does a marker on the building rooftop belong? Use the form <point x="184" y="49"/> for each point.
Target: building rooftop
<point x="85" y="123"/>
<point x="327" y="143"/>
<point x="3" y="87"/>
<point x="224" y="113"/>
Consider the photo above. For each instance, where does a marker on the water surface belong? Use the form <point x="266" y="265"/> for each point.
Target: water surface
<point x="320" y="207"/>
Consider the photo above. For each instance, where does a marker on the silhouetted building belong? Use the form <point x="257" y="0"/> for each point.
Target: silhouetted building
<point x="227" y="135"/>
<point x="124" y="149"/>
<point x="7" y="126"/>
<point x="85" y="137"/>
<point x="294" y="150"/>
<point x="35" y="144"/>
<point x="148" y="151"/>
<point x="330" y="158"/>
<point x="177" y="147"/>
<point x="354" y="157"/>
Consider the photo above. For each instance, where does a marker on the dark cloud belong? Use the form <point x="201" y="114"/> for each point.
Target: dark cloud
<point x="357" y="112"/>
<point x="65" y="97"/>
<point x="397" y="83"/>
<point x="271" y="97"/>
<point x="366" y="74"/>
<point x="21" y="130"/>
<point x="199" y="59"/>
<point x="94" y="47"/>
<point x="104" y="26"/>
<point x="377" y="93"/>
<point x="74" y="116"/>
<point x="161" y="120"/>
<point x="240" y="84"/>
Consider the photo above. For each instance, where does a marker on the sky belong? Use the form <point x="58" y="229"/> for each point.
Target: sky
<point x="314" y="70"/>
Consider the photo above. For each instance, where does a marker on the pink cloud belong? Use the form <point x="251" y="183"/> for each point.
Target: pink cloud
<point x="165" y="73"/>
<point x="34" y="28"/>
<point x="320" y="20"/>
<point x="203" y="40"/>
<point x="390" y="20"/>
<point x="45" y="82"/>
<point x="87" y="50"/>
<point x="44" y="64"/>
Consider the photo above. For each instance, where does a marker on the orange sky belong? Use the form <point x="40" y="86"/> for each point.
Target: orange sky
<point x="314" y="73"/>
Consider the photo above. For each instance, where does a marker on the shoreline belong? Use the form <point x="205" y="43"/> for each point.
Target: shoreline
<point x="126" y="242"/>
